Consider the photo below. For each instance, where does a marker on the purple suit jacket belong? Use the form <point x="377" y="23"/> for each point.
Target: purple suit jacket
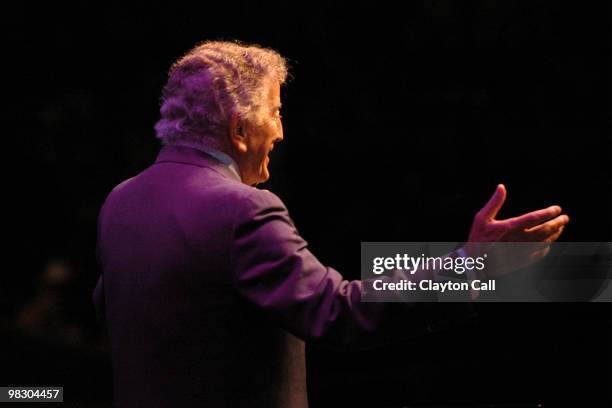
<point x="208" y="292"/>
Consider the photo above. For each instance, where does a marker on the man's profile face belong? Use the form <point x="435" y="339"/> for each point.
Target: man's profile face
<point x="261" y="138"/>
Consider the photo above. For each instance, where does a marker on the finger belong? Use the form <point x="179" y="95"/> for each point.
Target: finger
<point x="555" y="236"/>
<point x="543" y="231"/>
<point x="496" y="201"/>
<point x="535" y="218"/>
<point x="536" y="256"/>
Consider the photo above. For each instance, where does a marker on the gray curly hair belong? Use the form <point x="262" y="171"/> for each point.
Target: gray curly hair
<point x="211" y="82"/>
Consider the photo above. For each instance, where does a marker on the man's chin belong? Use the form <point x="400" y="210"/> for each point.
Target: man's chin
<point x="264" y="175"/>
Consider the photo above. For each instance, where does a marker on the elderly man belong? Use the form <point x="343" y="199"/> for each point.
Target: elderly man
<point x="208" y="290"/>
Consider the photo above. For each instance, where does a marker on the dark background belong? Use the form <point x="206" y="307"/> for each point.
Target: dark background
<point x="399" y="122"/>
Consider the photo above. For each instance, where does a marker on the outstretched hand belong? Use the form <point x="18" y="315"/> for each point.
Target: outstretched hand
<point x="540" y="228"/>
<point x="544" y="225"/>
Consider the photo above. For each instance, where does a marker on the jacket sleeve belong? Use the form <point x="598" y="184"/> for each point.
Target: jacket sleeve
<point x="274" y="270"/>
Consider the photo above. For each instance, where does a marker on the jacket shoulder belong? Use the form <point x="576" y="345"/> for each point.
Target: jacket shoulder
<point x="258" y="200"/>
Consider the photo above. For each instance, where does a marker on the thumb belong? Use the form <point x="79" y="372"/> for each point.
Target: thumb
<point x="496" y="201"/>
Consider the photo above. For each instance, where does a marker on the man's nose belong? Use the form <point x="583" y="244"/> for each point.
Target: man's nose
<point x="280" y="136"/>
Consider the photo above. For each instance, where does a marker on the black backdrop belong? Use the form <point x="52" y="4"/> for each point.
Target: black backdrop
<point x="399" y="122"/>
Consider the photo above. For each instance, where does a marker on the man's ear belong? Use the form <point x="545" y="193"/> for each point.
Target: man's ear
<point x="237" y="137"/>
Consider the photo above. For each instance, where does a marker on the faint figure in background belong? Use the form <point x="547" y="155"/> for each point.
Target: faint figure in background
<point x="45" y="315"/>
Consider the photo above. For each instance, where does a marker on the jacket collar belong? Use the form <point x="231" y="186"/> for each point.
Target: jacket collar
<point x="196" y="157"/>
